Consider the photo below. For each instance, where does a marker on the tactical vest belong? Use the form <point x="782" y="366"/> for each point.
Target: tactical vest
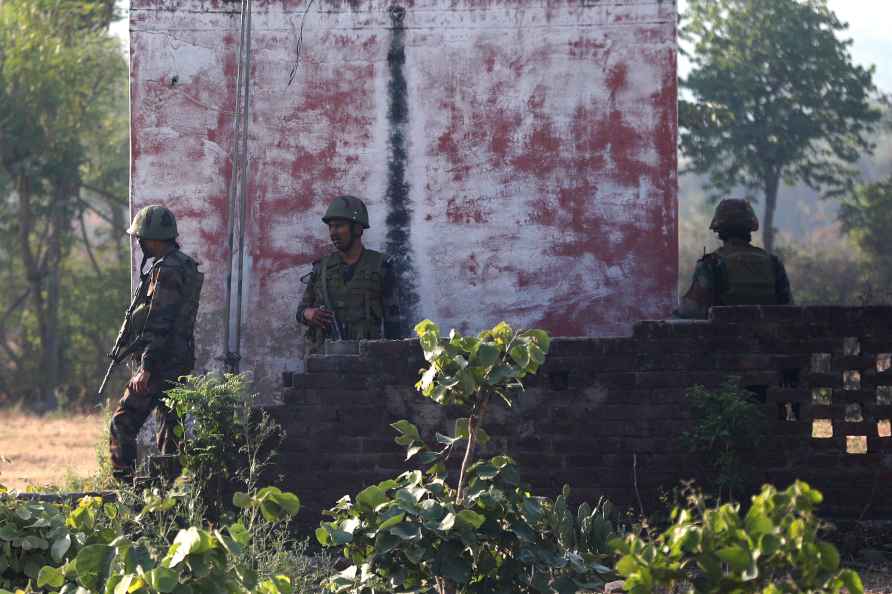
<point x="184" y="327"/>
<point x="746" y="276"/>
<point x="181" y="342"/>
<point x="358" y="304"/>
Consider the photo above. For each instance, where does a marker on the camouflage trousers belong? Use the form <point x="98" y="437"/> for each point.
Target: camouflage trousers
<point x="128" y="419"/>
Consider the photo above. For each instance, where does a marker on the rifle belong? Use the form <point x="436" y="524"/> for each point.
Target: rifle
<point x="328" y="306"/>
<point x="122" y="350"/>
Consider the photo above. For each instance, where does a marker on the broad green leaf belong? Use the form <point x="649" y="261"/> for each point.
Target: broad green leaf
<point x="92" y="565"/>
<point x="470" y="518"/>
<point x="60" y="547"/>
<point x="406" y="532"/>
<point x="736" y="556"/>
<point x="829" y="556"/>
<point x="239" y="533"/>
<point x="520" y="354"/>
<point x="322" y="536"/>
<point x="50" y="576"/>
<point x="408" y="432"/>
<point x="162" y="579"/>
<point x="241" y="500"/>
<point x="852" y="581"/>
<point x="371" y="497"/>
<point x="486" y="356"/>
<point x="391" y="521"/>
<point x="541" y="337"/>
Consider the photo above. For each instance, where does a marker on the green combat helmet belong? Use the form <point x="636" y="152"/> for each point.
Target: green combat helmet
<point x="350" y="208"/>
<point x="734" y="212"/>
<point x="154" y="222"/>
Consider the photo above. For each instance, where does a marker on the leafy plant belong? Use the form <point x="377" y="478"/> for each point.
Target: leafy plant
<point x="486" y="534"/>
<point x="34" y="534"/>
<point x="773" y="548"/>
<point x="225" y="439"/>
<point x="727" y="424"/>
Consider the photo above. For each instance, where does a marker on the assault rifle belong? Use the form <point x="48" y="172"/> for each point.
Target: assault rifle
<point x="122" y="349"/>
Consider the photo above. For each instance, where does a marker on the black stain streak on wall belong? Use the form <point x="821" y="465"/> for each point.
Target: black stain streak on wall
<point x="399" y="213"/>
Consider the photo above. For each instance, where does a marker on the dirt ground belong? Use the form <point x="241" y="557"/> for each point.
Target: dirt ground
<point x="39" y="451"/>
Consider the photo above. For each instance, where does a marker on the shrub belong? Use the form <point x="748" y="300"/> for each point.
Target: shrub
<point x="773" y="548"/>
<point x="728" y="423"/>
<point x="487" y="533"/>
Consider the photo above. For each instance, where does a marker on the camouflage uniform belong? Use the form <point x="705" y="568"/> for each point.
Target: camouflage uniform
<point x="364" y="296"/>
<point x="163" y="323"/>
<point x="737" y="273"/>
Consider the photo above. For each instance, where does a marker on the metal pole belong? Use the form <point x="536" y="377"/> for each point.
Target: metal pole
<point x="243" y="189"/>
<point x="233" y="191"/>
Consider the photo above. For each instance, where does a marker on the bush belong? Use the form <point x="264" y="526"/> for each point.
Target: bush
<point x="487" y="533"/>
<point x="773" y="548"/>
<point x="728" y="423"/>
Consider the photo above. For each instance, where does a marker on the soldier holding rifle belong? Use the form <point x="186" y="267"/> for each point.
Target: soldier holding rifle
<point x="157" y="333"/>
<point x="352" y="293"/>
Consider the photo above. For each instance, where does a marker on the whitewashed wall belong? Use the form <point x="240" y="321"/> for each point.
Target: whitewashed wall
<point x="534" y="164"/>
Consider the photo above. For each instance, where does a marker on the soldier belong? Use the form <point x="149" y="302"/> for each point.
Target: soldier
<point x="160" y="333"/>
<point x="737" y="273"/>
<point x="352" y="293"/>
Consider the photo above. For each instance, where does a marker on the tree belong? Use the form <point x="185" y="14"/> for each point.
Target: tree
<point x="866" y="216"/>
<point x="60" y="75"/>
<point x="776" y="99"/>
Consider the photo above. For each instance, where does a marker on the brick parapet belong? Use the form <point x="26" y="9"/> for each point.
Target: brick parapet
<point x="600" y="408"/>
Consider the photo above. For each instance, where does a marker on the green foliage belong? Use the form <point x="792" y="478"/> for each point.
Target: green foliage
<point x="225" y="438"/>
<point x="487" y="534"/>
<point x="776" y="98"/>
<point x="462" y="368"/>
<point x="727" y="424"/>
<point x="773" y="548"/>
<point x="866" y="216"/>
<point x="409" y="534"/>
<point x="63" y="154"/>
<point x="88" y="549"/>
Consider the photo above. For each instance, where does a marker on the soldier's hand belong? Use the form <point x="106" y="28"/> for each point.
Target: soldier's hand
<point x="319" y="317"/>
<point x="139" y="383"/>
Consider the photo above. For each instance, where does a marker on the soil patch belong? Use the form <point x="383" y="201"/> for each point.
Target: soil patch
<point x="41" y="451"/>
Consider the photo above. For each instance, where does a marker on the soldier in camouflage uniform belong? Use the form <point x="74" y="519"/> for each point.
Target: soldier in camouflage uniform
<point x="738" y="273"/>
<point x="351" y="294"/>
<point x="161" y="330"/>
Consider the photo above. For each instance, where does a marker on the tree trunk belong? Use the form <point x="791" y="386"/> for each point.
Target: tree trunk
<point x="771" y="187"/>
<point x="34" y="274"/>
<point x="474" y="423"/>
<point x="52" y="346"/>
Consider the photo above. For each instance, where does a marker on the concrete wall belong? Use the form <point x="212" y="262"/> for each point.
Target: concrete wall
<point x="599" y="406"/>
<point x="517" y="157"/>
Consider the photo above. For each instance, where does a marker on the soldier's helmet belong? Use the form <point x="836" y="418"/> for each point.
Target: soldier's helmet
<point x="154" y="222"/>
<point x="734" y="212"/>
<point x="349" y="208"/>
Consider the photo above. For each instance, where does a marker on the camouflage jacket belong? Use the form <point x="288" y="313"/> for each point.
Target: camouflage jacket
<point x="706" y="290"/>
<point x="375" y="311"/>
<point x="164" y="323"/>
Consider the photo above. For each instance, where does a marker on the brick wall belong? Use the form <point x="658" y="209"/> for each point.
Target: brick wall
<point x="600" y="407"/>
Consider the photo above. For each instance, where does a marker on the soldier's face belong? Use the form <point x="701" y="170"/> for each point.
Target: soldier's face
<point x="341" y="235"/>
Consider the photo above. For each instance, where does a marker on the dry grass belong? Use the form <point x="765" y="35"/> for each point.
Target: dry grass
<point x="48" y="451"/>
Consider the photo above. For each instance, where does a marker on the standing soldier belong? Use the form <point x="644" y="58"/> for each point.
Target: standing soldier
<point x="159" y="333"/>
<point x="738" y="273"/>
<point x="352" y="293"/>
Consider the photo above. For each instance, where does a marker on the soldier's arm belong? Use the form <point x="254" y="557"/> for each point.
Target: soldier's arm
<point x="168" y="284"/>
<point x="309" y="296"/>
<point x="696" y="302"/>
<point x="782" y="283"/>
<point x="393" y="315"/>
